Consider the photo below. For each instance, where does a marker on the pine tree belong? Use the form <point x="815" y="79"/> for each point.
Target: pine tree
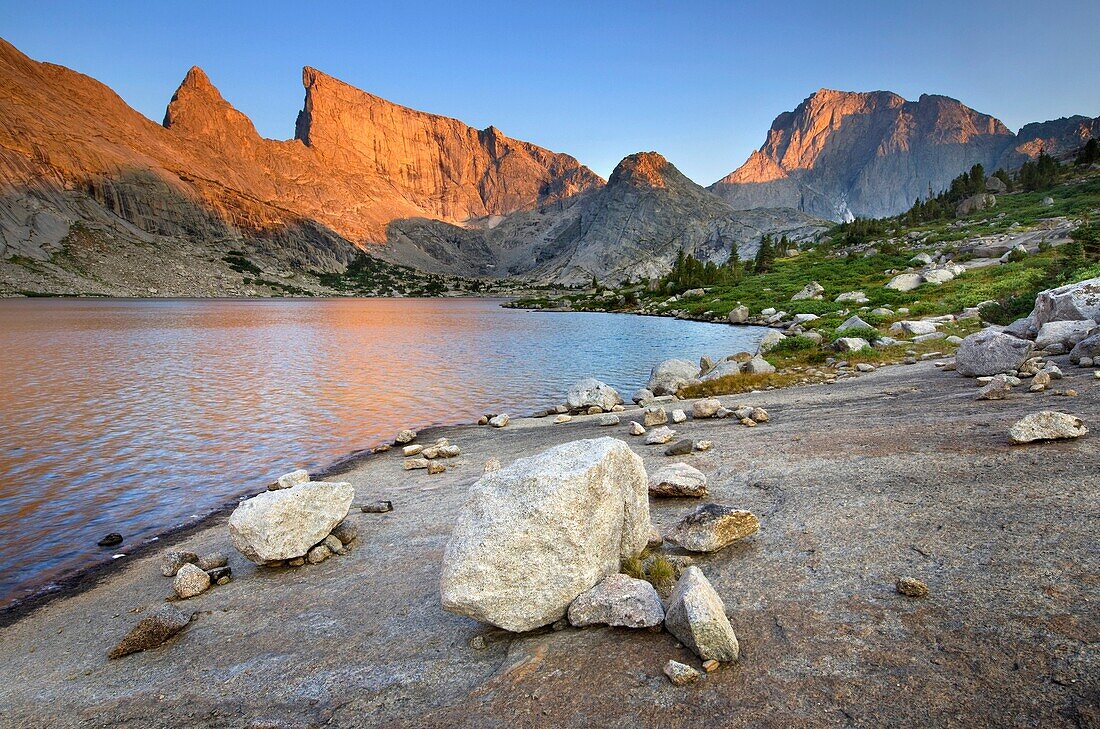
<point x="765" y="256"/>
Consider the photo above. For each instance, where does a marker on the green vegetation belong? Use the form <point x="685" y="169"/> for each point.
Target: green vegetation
<point x="370" y="276"/>
<point x="240" y="263"/>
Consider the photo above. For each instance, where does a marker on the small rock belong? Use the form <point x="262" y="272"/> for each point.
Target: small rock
<point x="864" y="367"/>
<point x="562" y="419"/>
<point x="608" y="420"/>
<point x="759" y="415"/>
<point x="172" y="561"/>
<point x="748" y="422"/>
<point x="478" y="643"/>
<point x="435" y="468"/>
<point x="911" y="587"/>
<point x="412" y="464"/>
<point x="318" y="554"/>
<point x="412" y="450"/>
<point x="483" y="420"/>
<point x="678" y="480"/>
<point x="378" y="507"/>
<point x="705" y="408"/>
<point x="1046" y="425"/>
<point x="594" y="410"/>
<point x="220" y="573"/>
<point x="212" y="561"/>
<point x="712" y="527"/>
<point x="697" y="618"/>
<point x="636" y="428"/>
<point x="406" y="436"/>
<point x="152" y="630"/>
<point x="618" y="600"/>
<point x="679" y="416"/>
<point x="296" y="562"/>
<point x="710" y="666"/>
<point x="190" y="581"/>
<point x="110" y="540"/>
<point x="655" y="539"/>
<point x="680" y="448"/>
<point x="346" y="532"/>
<point x="703" y="445"/>
<point x="998" y="388"/>
<point x="499" y="421"/>
<point x="680" y="674"/>
<point x="334" y="545"/>
<point x="659" y="436"/>
<point x="290" y="480"/>
<point x="654" y="415"/>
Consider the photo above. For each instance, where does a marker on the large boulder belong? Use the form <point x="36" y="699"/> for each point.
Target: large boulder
<point x="739" y="314"/>
<point x="536" y="534"/>
<point x="672" y="374"/>
<point x="1066" y="333"/>
<point x="905" y="282"/>
<point x="853" y="322"/>
<point x="722" y="369"/>
<point x="975" y="203"/>
<point x="989" y="352"/>
<point x="852" y="297"/>
<point x="914" y="327"/>
<point x="850" y="344"/>
<point x="618" y="600"/>
<point x="284" y="524"/>
<point x="1073" y="302"/>
<point x="769" y="340"/>
<point x="758" y="366"/>
<point x="697" y="617"/>
<point x="589" y="392"/>
<point x="1087" y="347"/>
<point x="706" y="408"/>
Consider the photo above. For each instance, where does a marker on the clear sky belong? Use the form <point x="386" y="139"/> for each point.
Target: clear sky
<point x="699" y="82"/>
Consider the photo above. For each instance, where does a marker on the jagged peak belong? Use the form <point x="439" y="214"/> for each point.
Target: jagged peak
<point x="198" y="106"/>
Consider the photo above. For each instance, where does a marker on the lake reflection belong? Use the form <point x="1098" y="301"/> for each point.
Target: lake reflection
<point x="134" y="416"/>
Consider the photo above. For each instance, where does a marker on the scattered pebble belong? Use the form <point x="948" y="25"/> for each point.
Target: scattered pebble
<point x="637" y="429"/>
<point x="378" y="507"/>
<point x="318" y="554"/>
<point x="680" y="674"/>
<point x="190" y="581"/>
<point x="436" y="468"/>
<point x="562" y="419"/>
<point x="110" y="540"/>
<point x="406" y="436"/>
<point x="703" y="445"/>
<point x="171" y="562"/>
<point x="499" y="421"/>
<point x="478" y="643"/>
<point x="911" y="587"/>
<point x="679" y="416"/>
<point x="680" y="448"/>
<point x="412" y="450"/>
<point x="711" y="665"/>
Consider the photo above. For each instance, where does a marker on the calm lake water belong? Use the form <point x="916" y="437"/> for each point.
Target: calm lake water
<point x="136" y="416"/>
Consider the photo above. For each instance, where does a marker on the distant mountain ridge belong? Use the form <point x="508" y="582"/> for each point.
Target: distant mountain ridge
<point x="842" y="154"/>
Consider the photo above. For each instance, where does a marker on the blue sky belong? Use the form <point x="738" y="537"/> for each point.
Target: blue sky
<point x="699" y="82"/>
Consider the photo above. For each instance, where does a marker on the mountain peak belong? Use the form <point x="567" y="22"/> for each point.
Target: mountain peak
<point x="198" y="107"/>
<point x="641" y="169"/>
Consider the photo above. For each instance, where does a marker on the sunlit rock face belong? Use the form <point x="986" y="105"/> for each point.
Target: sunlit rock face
<point x="842" y="154"/>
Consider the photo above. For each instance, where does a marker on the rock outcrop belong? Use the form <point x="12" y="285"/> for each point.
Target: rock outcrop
<point x="536" y="534"/>
<point x="842" y="154"/>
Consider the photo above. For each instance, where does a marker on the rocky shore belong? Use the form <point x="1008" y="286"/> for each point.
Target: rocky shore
<point x="905" y="563"/>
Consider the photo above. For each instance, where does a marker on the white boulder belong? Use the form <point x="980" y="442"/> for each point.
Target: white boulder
<point x="284" y="524"/>
<point x="589" y="392"/>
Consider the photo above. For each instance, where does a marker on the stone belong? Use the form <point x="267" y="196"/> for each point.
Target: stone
<point x="483" y="420"/>
<point x="654" y="415"/>
<point x="296" y="562"/>
<point x="1047" y="202"/>
<point x="212" y="561"/>
<point x="289" y="480"/>
<point x="608" y="420"/>
<point x="346" y="532"/>
<point x="864" y="367"/>
<point x="1087" y="348"/>
<point x="412" y="450"/>
<point x="1066" y="333"/>
<point x="562" y="419"/>
<point x="499" y="421"/>
<point x="618" y="409"/>
<point x="679" y="416"/>
<point x="218" y="574"/>
<point x="1046" y="425"/>
<point x="589" y="392"/>
<point x="739" y="315"/>
<point x="536" y="534"/>
<point x="913" y="327"/>
<point x="680" y="448"/>
<point x="769" y="340"/>
<point x="704" y="445"/>
<point x="618" y="600"/>
<point x="911" y="587"/>
<point x="759" y="415"/>
<point x="152" y="631"/>
<point x="852" y="297"/>
<point x="681" y="674"/>
<point x="697" y="618"/>
<point x="921" y="259"/>
<point x="190" y="581"/>
<point x="171" y="562"/>
<point x="678" y="480"/>
<point x="636" y="428"/>
<point x="712" y="527"/>
<point x="406" y="436"/>
<point x="112" y="539"/>
<point x="723" y="369"/>
<point x="1073" y="302"/>
<point x="334" y="544"/>
<point x="594" y="410"/>
<point x="672" y="374"/>
<point x="882" y="311"/>
<point x="377" y="507"/>
<point x="706" y="364"/>
<point x="905" y="282"/>
<point x="853" y="322"/>
<point x="812" y="290"/>
<point x="659" y="436"/>
<point x="996" y="389"/>
<point x="434" y="468"/>
<point x="850" y="344"/>
<point x="1085" y="362"/>
<point x="711" y="666"/>
<point x="758" y="366"/>
<point x="707" y="408"/>
<point x="655" y="539"/>
<point x="1040" y="378"/>
<point x="800" y="319"/>
<point x="412" y="464"/>
<point x="642" y="396"/>
<point x="318" y="554"/>
<point x="284" y="524"/>
<point x="989" y="353"/>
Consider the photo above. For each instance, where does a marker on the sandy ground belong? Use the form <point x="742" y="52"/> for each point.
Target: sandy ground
<point x="896" y="473"/>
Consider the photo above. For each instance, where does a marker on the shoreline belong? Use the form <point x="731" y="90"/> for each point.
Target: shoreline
<point x="855" y="485"/>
